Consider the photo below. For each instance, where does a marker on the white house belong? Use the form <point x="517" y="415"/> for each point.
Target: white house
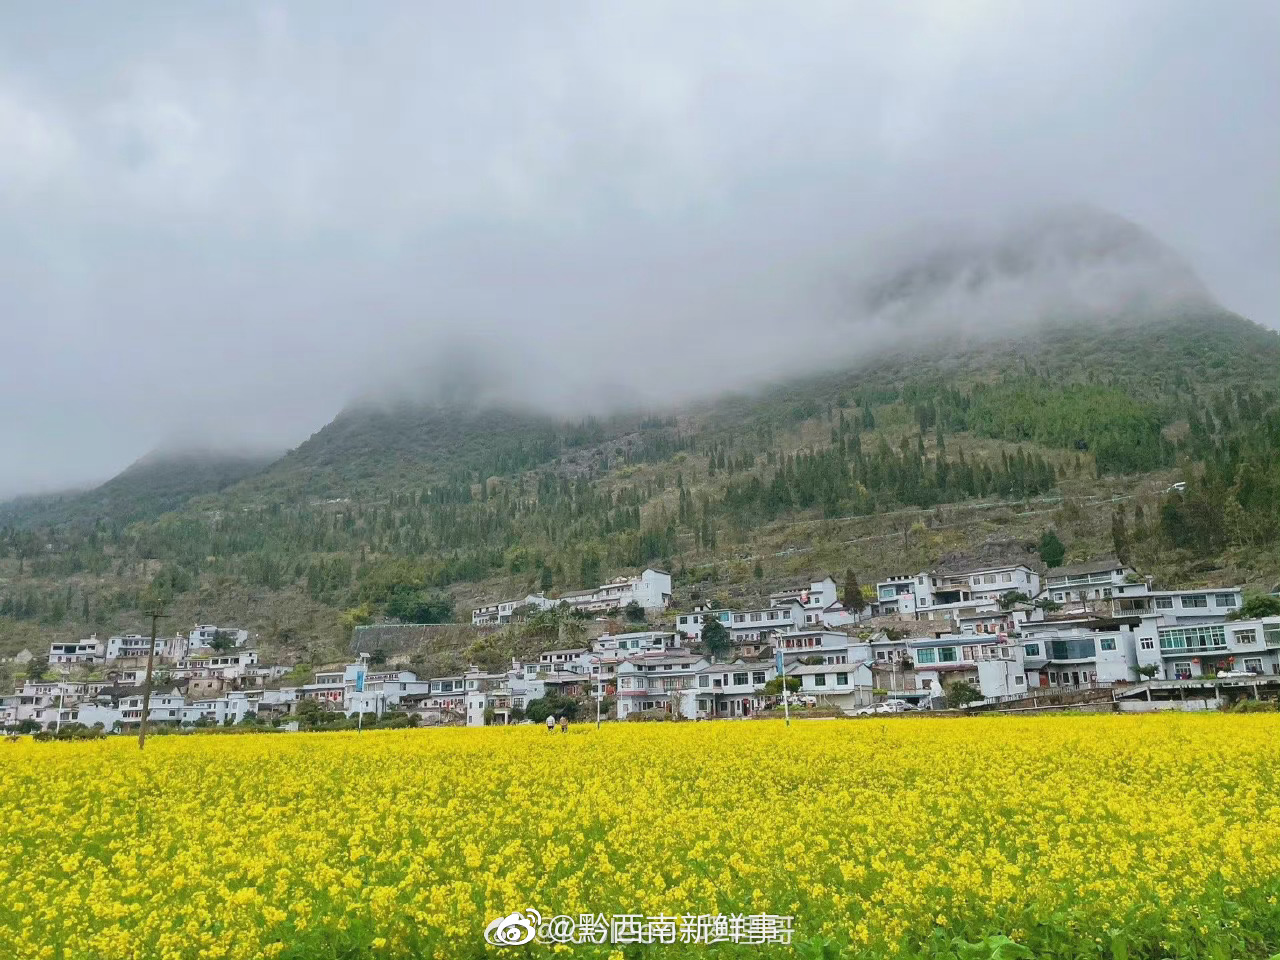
<point x="846" y="685"/>
<point x="651" y="589"/>
<point x="1080" y="583"/>
<point x="203" y="635"/>
<point x="831" y="647"/>
<point x="65" y="654"/>
<point x="657" y="681"/>
<point x="1080" y="650"/>
<point x="136" y="645"/>
<point x="819" y="593"/>
<point x="689" y="625"/>
<point x="232" y="708"/>
<point x="1199" y="605"/>
<point x="501" y="612"/>
<point x="1183" y="651"/>
<point x="993" y="665"/>
<point x="730" y="689"/>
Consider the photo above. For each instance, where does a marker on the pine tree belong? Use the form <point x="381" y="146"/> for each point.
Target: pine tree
<point x="1120" y="535"/>
<point x="1052" y="551"/>
<point x="853" y="598"/>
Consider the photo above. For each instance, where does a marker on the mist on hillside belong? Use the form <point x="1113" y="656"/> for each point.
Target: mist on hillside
<point x="221" y="227"/>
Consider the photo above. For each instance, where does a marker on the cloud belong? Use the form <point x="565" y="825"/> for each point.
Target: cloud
<point x="223" y="225"/>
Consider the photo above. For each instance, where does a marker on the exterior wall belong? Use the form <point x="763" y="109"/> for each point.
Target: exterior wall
<point x="1188" y="650"/>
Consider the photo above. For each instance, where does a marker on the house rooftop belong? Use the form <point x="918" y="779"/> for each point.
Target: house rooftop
<point x="1091" y="566"/>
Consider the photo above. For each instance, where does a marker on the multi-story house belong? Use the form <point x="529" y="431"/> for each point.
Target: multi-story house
<point x="751" y="631"/>
<point x="503" y="610"/>
<point x="932" y="595"/>
<point x="689" y="625"/>
<point x="1198" y="605"/>
<point x="845" y="685"/>
<point x="825" y="646"/>
<point x="568" y="658"/>
<point x="204" y="634"/>
<point x="651" y="589"/>
<point x="994" y="667"/>
<point x="657" y="681"/>
<point x="232" y="708"/>
<point x="66" y="654"/>
<point x="1071" y="651"/>
<point x="135" y="645"/>
<point x="1082" y="584"/>
<point x="730" y="689"/>
<point x="118" y="708"/>
<point x="1184" y="651"/>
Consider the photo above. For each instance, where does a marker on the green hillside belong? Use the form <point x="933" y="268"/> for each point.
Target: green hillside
<point x="414" y="512"/>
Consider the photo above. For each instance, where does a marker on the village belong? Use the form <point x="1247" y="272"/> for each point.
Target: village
<point x="1087" y="636"/>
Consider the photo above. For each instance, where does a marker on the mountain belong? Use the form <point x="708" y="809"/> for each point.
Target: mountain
<point x="999" y="411"/>
<point x="158" y="483"/>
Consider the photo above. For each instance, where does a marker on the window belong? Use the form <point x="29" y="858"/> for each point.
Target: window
<point x="1206" y="637"/>
<point x="1053" y="679"/>
<point x="758" y="677"/>
<point x="1018" y="681"/>
<point x="1245" y="636"/>
<point x="926" y="656"/>
<point x="1147" y="643"/>
<point x="755" y="618"/>
<point x="704" y="681"/>
<point x="1253" y="665"/>
<point x="819" y="679"/>
<point x="1031" y="649"/>
<point x="739" y="679"/>
<point x="1224" y="599"/>
<point x="1058" y="597"/>
<point x="1107" y="643"/>
<point x="1164" y="603"/>
<point x="842" y="679"/>
<point x="1194" y="600"/>
<point x="1006" y="578"/>
<point x="947" y="655"/>
<point x="739" y="618"/>
<point x="1271" y="633"/>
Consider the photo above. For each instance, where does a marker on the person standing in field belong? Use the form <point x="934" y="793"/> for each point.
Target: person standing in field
<point x="551" y="724"/>
<point x="564" y="724"/>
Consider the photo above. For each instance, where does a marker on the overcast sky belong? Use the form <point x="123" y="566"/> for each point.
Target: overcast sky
<point x="219" y="222"/>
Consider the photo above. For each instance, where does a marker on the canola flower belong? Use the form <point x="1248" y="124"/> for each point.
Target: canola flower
<point x="1081" y="836"/>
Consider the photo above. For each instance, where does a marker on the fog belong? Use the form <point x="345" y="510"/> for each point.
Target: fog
<point x="218" y="226"/>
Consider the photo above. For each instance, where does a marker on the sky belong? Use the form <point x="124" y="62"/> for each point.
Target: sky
<point x="221" y="222"/>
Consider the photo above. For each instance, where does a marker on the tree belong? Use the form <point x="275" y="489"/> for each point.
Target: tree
<point x="589" y="575"/>
<point x="221" y="641"/>
<point x="1120" y="535"/>
<point x="853" y="598"/>
<point x="959" y="693"/>
<point x="1255" y="606"/>
<point x="634" y="612"/>
<point x="1052" y="550"/>
<point x="37" y="667"/>
<point x="774" y="687"/>
<point x="309" y="713"/>
<point x="1011" y="598"/>
<point x="1148" y="670"/>
<point x="715" y="637"/>
<point x="1048" y="604"/>
<point x="545" y="579"/>
<point x="421" y="606"/>
<point x="758" y="572"/>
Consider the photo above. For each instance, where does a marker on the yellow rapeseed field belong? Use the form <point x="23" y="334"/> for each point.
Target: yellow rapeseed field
<point x="1075" y="836"/>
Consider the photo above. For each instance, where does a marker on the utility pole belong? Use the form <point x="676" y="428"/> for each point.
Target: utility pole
<point x="155" y="615"/>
